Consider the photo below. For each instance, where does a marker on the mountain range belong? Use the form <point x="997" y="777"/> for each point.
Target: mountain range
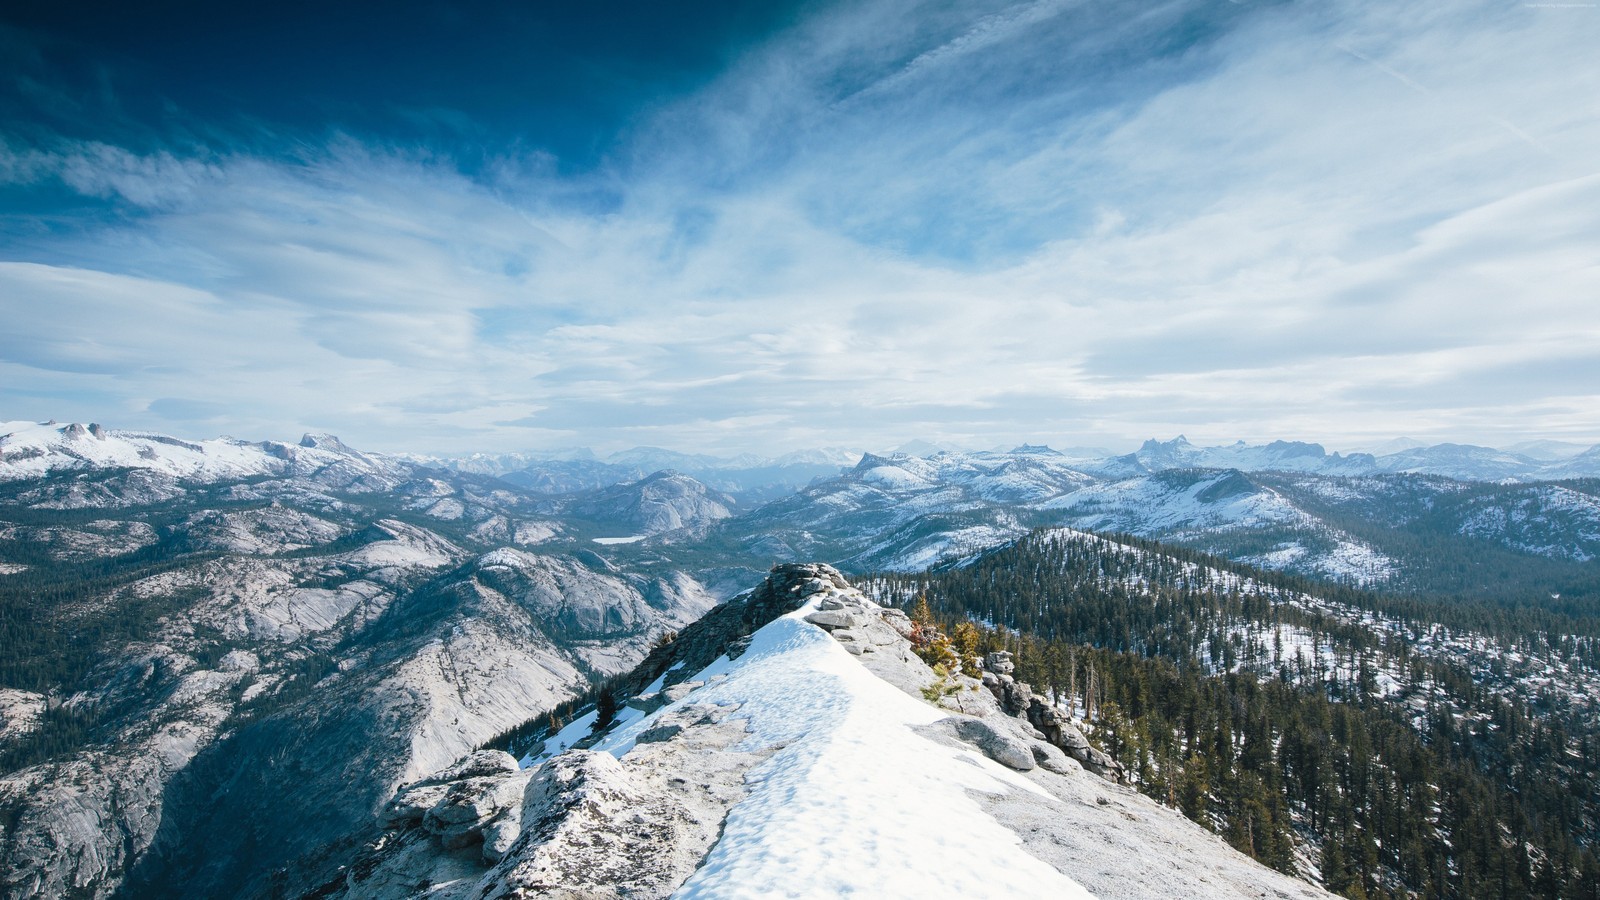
<point x="765" y="478"/>
<point x="192" y="628"/>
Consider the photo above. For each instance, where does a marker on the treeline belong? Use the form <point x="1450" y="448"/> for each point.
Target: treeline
<point x="1442" y="788"/>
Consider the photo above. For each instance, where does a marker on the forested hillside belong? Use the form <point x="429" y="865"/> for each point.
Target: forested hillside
<point x="1381" y="746"/>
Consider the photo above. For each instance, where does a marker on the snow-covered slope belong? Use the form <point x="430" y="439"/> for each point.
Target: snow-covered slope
<point x="31" y="450"/>
<point x="805" y="759"/>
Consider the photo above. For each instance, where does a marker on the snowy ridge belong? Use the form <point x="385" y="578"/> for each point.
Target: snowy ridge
<point x="33" y="450"/>
<point x="852" y="776"/>
<point x="806" y="760"/>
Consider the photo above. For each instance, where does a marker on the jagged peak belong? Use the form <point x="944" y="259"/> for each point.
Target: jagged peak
<point x="1178" y="443"/>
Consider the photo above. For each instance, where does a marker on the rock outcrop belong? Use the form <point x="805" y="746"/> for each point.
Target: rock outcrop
<point x="1054" y="725"/>
<point x="583" y="824"/>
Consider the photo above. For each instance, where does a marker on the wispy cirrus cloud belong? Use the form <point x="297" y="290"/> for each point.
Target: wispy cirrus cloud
<point x="981" y="224"/>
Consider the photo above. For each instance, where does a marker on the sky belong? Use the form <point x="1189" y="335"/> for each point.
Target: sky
<point x="757" y="227"/>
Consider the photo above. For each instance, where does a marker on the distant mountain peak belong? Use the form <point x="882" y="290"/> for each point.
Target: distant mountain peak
<point x="874" y="460"/>
<point x="319" y="441"/>
<point x="1154" y="444"/>
<point x="1294" y="448"/>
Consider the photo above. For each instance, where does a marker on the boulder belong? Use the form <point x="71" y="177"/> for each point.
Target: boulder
<point x="1005" y="749"/>
<point x="1100" y="764"/>
<point x="410" y="805"/>
<point x="1056" y="726"/>
<point x="1052" y="759"/>
<point x="458" y="819"/>
<point x="500" y="835"/>
<point x="831" y="619"/>
<point x="1016" y="697"/>
<point x="676" y="692"/>
<point x="482" y="763"/>
<point x="659" y="733"/>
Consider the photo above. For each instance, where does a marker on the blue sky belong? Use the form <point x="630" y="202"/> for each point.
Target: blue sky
<point x="755" y="227"/>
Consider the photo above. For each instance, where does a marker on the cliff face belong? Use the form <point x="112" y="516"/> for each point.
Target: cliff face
<point x="792" y="744"/>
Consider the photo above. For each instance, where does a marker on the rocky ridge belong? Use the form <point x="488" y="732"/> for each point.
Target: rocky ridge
<point x="635" y="807"/>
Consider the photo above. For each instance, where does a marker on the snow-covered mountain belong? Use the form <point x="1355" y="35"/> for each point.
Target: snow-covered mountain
<point x="1283" y="505"/>
<point x="33" y="450"/>
<point x="1278" y="456"/>
<point x="1463" y="462"/>
<point x="906" y="511"/>
<point x="791" y="744"/>
<point x="754" y="480"/>
<point x="219" y="626"/>
<point x="1396" y="529"/>
<point x="1546" y="451"/>
<point x="1581" y="465"/>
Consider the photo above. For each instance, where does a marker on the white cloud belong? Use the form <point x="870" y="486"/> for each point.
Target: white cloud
<point x="1338" y="223"/>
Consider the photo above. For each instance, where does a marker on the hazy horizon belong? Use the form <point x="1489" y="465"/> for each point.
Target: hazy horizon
<point x="913" y="445"/>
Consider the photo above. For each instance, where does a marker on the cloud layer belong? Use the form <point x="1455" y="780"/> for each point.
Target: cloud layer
<point x="1049" y="221"/>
